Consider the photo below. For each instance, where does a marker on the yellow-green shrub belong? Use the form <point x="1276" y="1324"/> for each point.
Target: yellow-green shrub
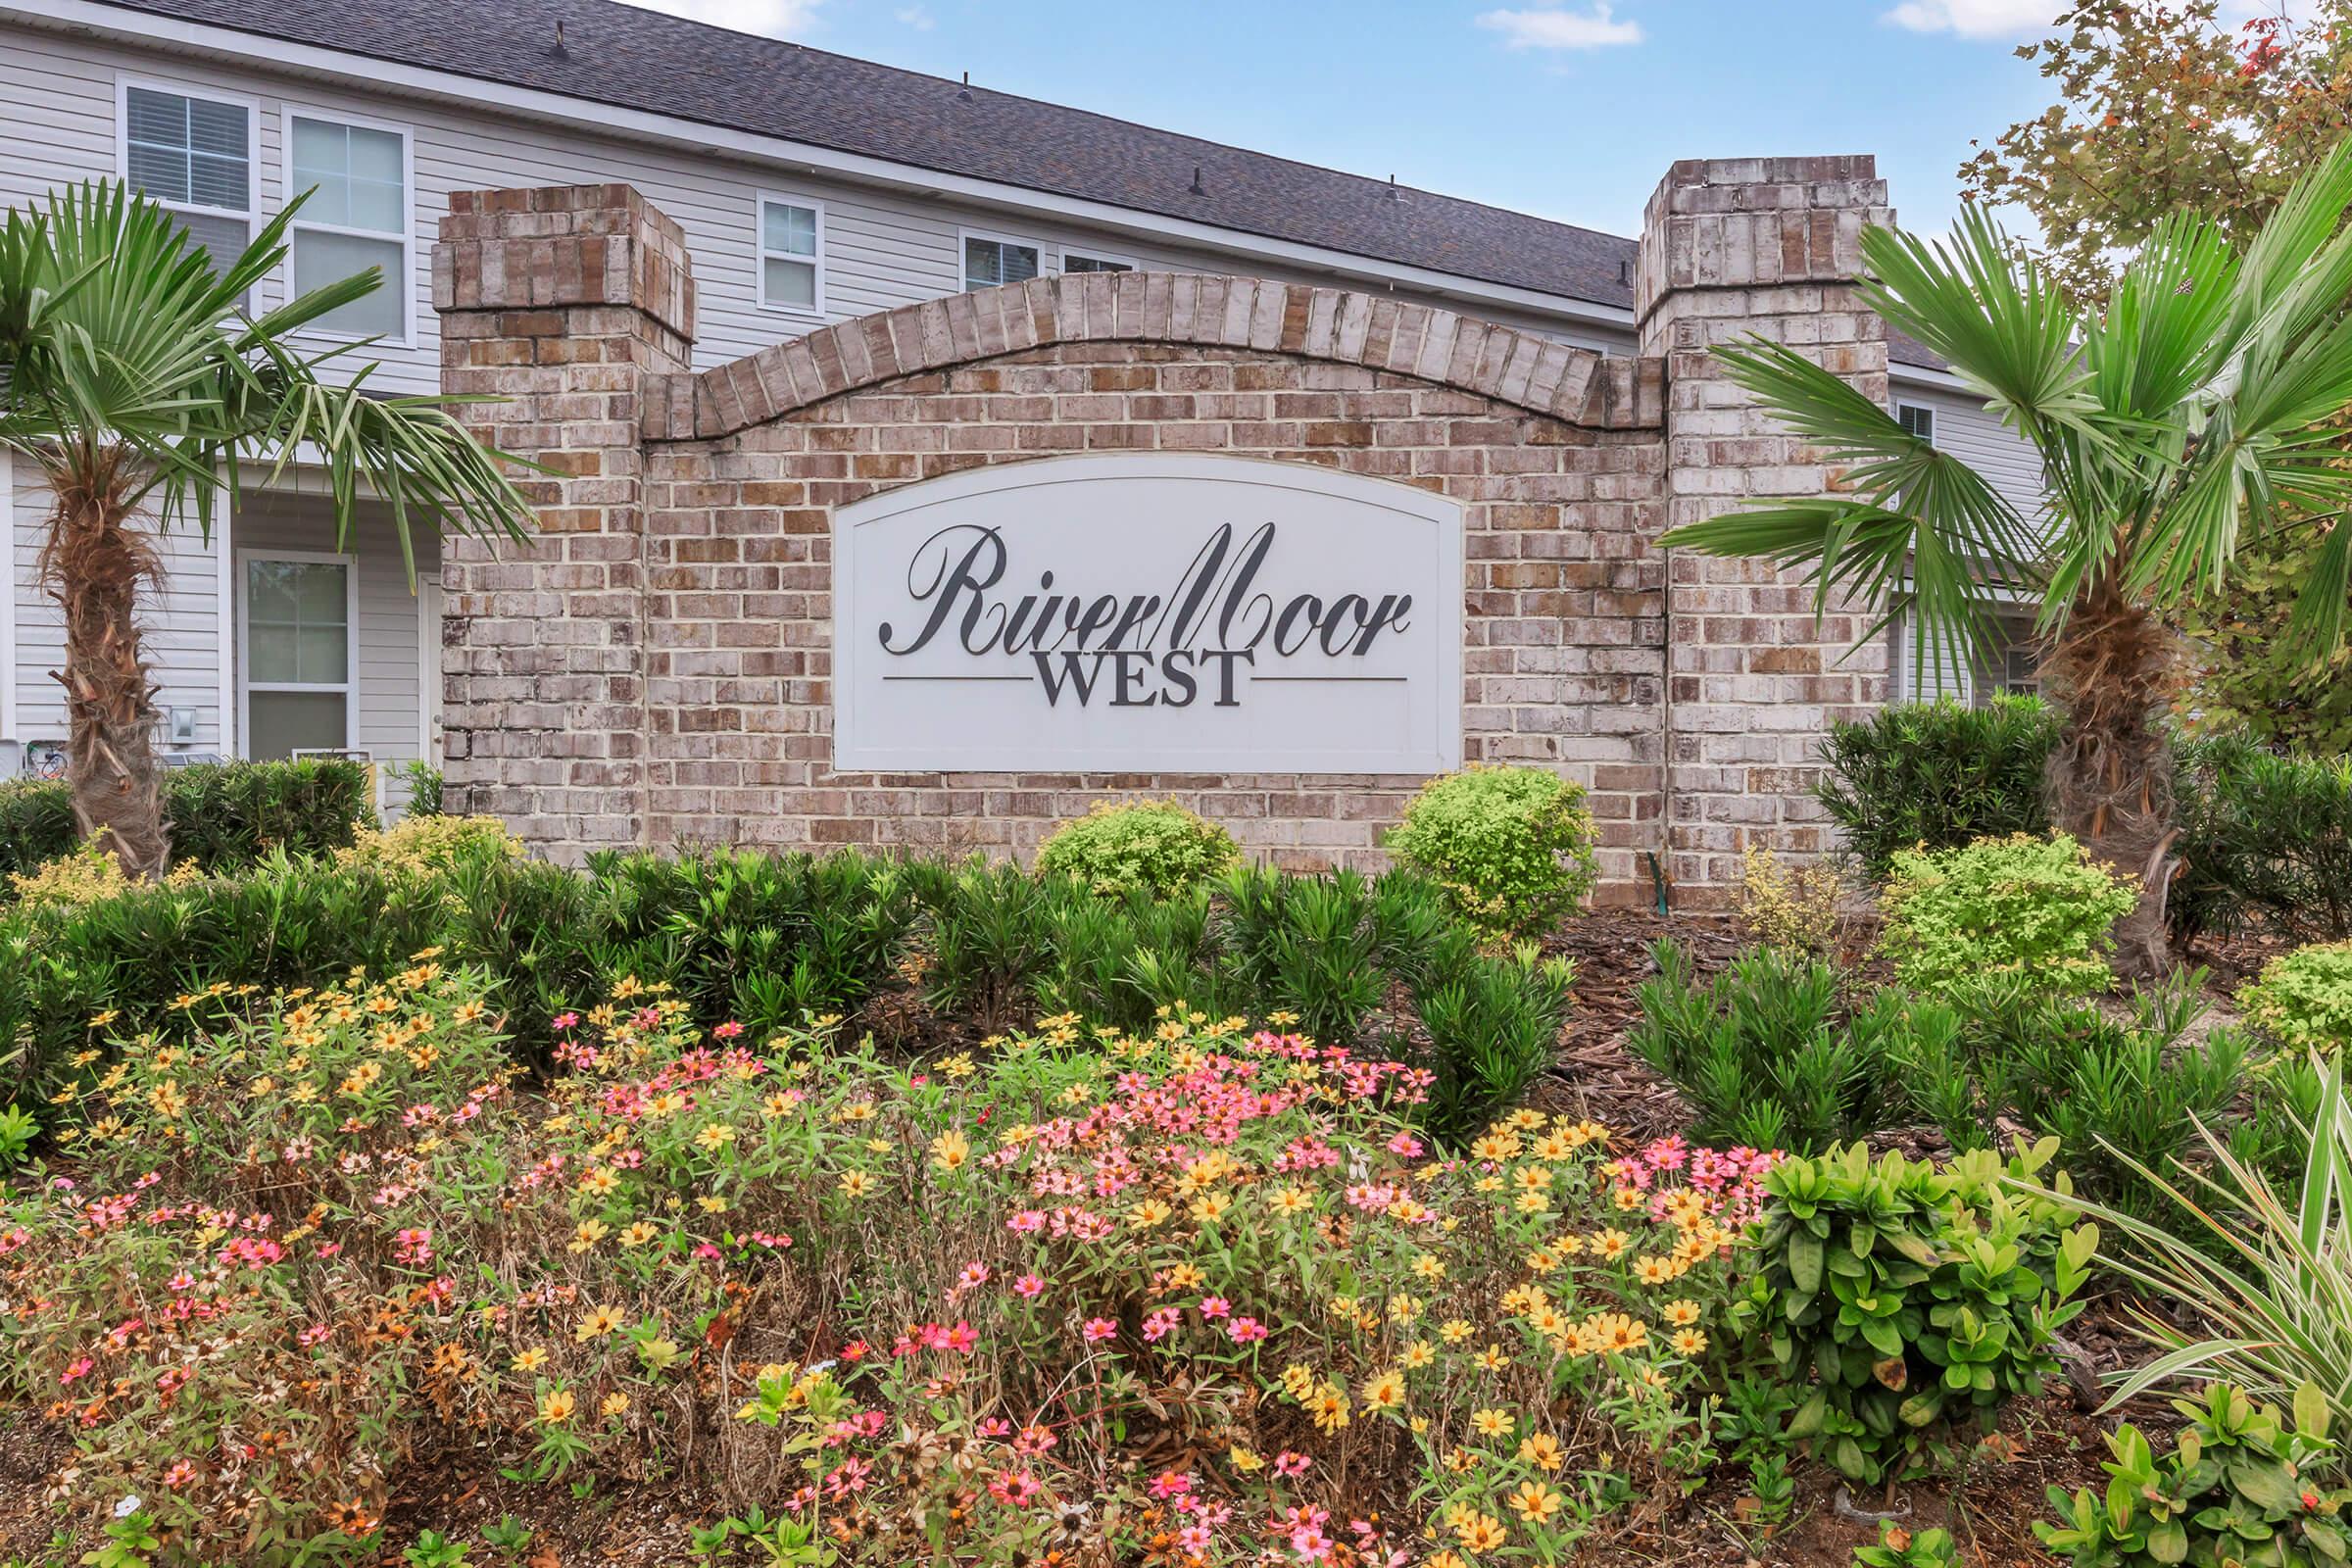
<point x="83" y="874"/>
<point x="428" y="844"/>
<point x="2304" y="999"/>
<point x="2036" y="908"/>
<point x="1512" y="846"/>
<point x="1154" y="844"/>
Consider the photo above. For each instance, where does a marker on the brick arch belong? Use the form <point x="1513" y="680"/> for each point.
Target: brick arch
<point x="1341" y="326"/>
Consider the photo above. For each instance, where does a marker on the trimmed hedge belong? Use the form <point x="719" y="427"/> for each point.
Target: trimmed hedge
<point x="224" y="815"/>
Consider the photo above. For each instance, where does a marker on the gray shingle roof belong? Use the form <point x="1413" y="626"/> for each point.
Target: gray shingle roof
<point x="622" y="55"/>
<point x="643" y="60"/>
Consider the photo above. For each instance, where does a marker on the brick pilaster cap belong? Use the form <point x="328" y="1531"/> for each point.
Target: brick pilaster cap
<point x="562" y="245"/>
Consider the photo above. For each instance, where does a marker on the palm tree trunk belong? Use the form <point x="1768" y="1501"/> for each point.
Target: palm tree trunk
<point x="94" y="567"/>
<point x="2110" y="779"/>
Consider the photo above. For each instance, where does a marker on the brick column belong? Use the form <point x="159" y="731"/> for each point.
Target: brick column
<point x="1730" y="247"/>
<point x="561" y="303"/>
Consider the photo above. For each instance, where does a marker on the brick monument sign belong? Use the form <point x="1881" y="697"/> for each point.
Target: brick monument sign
<point x="941" y="578"/>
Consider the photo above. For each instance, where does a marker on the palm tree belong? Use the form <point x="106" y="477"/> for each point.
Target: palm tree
<point x="2204" y="408"/>
<point x="131" y="376"/>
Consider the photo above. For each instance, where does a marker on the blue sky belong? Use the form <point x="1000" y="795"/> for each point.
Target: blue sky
<point x="1569" y="110"/>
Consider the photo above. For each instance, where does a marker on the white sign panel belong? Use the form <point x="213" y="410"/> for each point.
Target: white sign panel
<point x="1148" y="613"/>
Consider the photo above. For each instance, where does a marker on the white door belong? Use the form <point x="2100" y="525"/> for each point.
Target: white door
<point x="428" y="667"/>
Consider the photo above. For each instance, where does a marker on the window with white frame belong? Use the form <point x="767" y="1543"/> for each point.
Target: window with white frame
<point x="357" y="217"/>
<point x="989" y="260"/>
<point x="1093" y="262"/>
<point x="193" y="155"/>
<point x="297" y="652"/>
<point x="792" y="254"/>
<point x="1918" y="420"/>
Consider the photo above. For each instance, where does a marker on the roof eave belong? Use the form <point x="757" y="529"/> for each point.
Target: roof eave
<point x="264" y="52"/>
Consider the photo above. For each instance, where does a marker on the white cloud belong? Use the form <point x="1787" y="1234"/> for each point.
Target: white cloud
<point x="1552" y="29"/>
<point x="1976" y="19"/>
<point x="919" y="17"/>
<point x="778" y="19"/>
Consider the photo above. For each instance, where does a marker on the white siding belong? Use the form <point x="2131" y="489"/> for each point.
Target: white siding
<point x="1964" y="428"/>
<point x="386" y="715"/>
<point x="882" y="248"/>
<point x="179" y="618"/>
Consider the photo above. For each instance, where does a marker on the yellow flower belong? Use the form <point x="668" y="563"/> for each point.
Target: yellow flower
<point x="639" y="1233"/>
<point x="1418" y="1354"/>
<point x="1542" y="1449"/>
<point x="1148" y="1213"/>
<point x="1534" y="1502"/>
<point x="597" y="1324"/>
<point x="1289" y="1200"/>
<point x="1429" y="1267"/>
<point x="1491" y="1423"/>
<point x="717" y="1136"/>
<point x="590" y="1232"/>
<point x="1689" y="1343"/>
<point x="1492" y="1360"/>
<point x="950" y="1149"/>
<point x="712" y="1205"/>
<point x="1329" y="1406"/>
<point x="1384" y="1391"/>
<point x="1480" y="1532"/>
<point x="1210" y="1207"/>
<point x="1247" y="1461"/>
<point x="1682" y="1313"/>
<point x="1454" y="1329"/>
<point x="557" y="1406"/>
<point x="530" y="1360"/>
<point x="1611" y="1244"/>
<point x="599" y="1181"/>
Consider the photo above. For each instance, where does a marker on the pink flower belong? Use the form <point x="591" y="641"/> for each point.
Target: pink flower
<point x="180" y="1475"/>
<point x="726" y="1031"/>
<point x="1028" y="1219"/>
<point x="1160" y="1324"/>
<point x="1028" y="1286"/>
<point x="1406" y="1145"/>
<point x="1171" y="1484"/>
<point x="79" y="1369"/>
<point x="1291" y="1463"/>
<point x="962" y="1339"/>
<point x="1099" y="1329"/>
<point x="1246" y="1330"/>
<point x="1215" y="1306"/>
<point x="565" y="1020"/>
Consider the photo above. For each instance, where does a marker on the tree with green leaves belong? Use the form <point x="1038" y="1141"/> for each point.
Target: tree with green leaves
<point x="134" y="380"/>
<point x="2162" y="103"/>
<point x="2199" y="411"/>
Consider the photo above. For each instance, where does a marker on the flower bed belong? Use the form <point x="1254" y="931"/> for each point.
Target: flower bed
<point x="1200" y="1293"/>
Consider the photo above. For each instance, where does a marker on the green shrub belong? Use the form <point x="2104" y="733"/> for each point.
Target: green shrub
<point x="2303" y="1001"/>
<point x="2265" y="842"/>
<point x="1911" y="1294"/>
<point x="2238" y="1485"/>
<point x="1158" y="846"/>
<point x="1937" y="775"/>
<point x="1899" y="1547"/>
<point x="2122" y="1092"/>
<point x="224" y="815"/>
<point x="1768" y="1052"/>
<point x="1512" y="846"/>
<point x="2038" y="908"/>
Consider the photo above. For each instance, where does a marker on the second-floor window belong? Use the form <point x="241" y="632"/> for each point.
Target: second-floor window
<point x="792" y="254"/>
<point x="356" y="217"/>
<point x="1917" y="419"/>
<point x="194" y="156"/>
<point x="1093" y="261"/>
<point x="988" y="260"/>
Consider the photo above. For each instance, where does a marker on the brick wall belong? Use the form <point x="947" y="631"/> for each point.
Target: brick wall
<point x="1730" y="249"/>
<point x="656" y="667"/>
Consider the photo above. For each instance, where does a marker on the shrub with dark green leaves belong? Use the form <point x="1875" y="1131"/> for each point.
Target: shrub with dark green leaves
<point x="2123" y="1090"/>
<point x="1912" y="1295"/>
<point x="2265" y="842"/>
<point x="1937" y="775"/>
<point x="224" y="815"/>
<point x="2240" y="1485"/>
<point x="1512" y="846"/>
<point x="2040" y="910"/>
<point x="1157" y="845"/>
<point x="1771" y="1055"/>
<point x="2302" y="1001"/>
